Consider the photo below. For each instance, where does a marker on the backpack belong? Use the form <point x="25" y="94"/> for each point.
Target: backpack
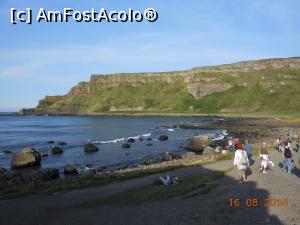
<point x="244" y="160"/>
<point x="287" y="153"/>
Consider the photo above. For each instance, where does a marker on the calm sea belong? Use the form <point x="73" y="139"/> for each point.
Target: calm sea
<point x="107" y="132"/>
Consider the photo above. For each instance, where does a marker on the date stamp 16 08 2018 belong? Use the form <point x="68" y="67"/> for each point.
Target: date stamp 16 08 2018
<point x="256" y="202"/>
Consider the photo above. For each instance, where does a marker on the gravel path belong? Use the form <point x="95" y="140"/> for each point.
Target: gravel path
<point x="212" y="208"/>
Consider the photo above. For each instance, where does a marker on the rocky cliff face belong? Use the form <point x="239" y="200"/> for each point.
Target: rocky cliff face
<point x="179" y="91"/>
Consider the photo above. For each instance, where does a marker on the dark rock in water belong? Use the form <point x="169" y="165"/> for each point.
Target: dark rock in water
<point x="149" y="139"/>
<point x="27" y="157"/>
<point x="50" y="142"/>
<point x="53" y="173"/>
<point x="70" y="170"/>
<point x="89" y="148"/>
<point x="149" y="144"/>
<point x="62" y="143"/>
<point x="163" y="137"/>
<point x="2" y="170"/>
<point x="198" y="143"/>
<point x="167" y="157"/>
<point x="141" y="139"/>
<point x="57" y="151"/>
<point x="45" y="155"/>
<point x="125" y="145"/>
<point x="130" y="140"/>
<point x="148" y="162"/>
<point x="7" y="151"/>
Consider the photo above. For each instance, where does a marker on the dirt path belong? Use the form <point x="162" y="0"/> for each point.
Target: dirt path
<point x="212" y="208"/>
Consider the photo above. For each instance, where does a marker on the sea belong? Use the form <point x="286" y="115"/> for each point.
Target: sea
<point x="108" y="133"/>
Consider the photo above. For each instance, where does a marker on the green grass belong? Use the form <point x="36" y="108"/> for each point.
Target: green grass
<point x="189" y="186"/>
<point x="271" y="92"/>
<point x="92" y="181"/>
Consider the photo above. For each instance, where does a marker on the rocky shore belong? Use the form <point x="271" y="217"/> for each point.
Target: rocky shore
<point x="26" y="175"/>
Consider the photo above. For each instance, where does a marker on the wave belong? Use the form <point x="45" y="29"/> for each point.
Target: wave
<point x="122" y="139"/>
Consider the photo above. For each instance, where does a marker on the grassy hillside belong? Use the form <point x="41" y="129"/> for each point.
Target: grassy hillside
<point x="262" y="90"/>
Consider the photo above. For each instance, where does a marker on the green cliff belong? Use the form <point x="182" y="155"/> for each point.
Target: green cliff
<point x="267" y="86"/>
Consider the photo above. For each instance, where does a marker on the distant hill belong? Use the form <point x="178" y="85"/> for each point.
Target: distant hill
<point x="270" y="85"/>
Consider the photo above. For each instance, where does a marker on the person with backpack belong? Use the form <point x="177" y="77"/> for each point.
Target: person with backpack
<point x="287" y="157"/>
<point x="241" y="161"/>
<point x="248" y="150"/>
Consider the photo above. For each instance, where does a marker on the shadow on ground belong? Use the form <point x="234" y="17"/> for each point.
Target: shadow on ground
<point x="230" y="202"/>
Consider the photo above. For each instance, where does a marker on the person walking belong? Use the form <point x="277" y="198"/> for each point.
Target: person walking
<point x="264" y="156"/>
<point x="248" y="150"/>
<point x="287" y="158"/>
<point x="241" y="162"/>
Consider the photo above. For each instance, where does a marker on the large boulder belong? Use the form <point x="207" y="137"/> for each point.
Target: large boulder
<point x="57" y="151"/>
<point x="89" y="148"/>
<point x="27" y="157"/>
<point x="163" y="137"/>
<point x="198" y="143"/>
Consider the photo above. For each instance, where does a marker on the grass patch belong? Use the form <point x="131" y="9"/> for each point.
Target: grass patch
<point x="189" y="186"/>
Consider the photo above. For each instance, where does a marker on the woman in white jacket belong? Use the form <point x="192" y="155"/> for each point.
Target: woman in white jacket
<point x="241" y="161"/>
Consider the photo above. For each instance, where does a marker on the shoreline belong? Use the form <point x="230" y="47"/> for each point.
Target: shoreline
<point x="262" y="115"/>
<point x="256" y="130"/>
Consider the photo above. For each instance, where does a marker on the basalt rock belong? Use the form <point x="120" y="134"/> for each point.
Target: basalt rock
<point x="198" y="143"/>
<point x="89" y="148"/>
<point x="125" y="145"/>
<point x="62" y="143"/>
<point x="7" y="151"/>
<point x="163" y="137"/>
<point x="70" y="170"/>
<point x="57" y="151"/>
<point x="130" y="140"/>
<point x="27" y="157"/>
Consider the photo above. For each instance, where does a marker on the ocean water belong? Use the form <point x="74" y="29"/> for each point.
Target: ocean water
<point x="107" y="132"/>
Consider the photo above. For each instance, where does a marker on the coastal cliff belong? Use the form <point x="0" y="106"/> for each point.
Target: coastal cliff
<point x="270" y="85"/>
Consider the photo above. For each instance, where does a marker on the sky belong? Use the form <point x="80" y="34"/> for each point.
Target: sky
<point x="49" y="58"/>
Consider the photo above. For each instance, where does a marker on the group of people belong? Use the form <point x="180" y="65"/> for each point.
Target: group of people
<point x="243" y="155"/>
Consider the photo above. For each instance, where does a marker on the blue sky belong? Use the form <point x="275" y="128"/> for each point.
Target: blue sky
<point x="48" y="59"/>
